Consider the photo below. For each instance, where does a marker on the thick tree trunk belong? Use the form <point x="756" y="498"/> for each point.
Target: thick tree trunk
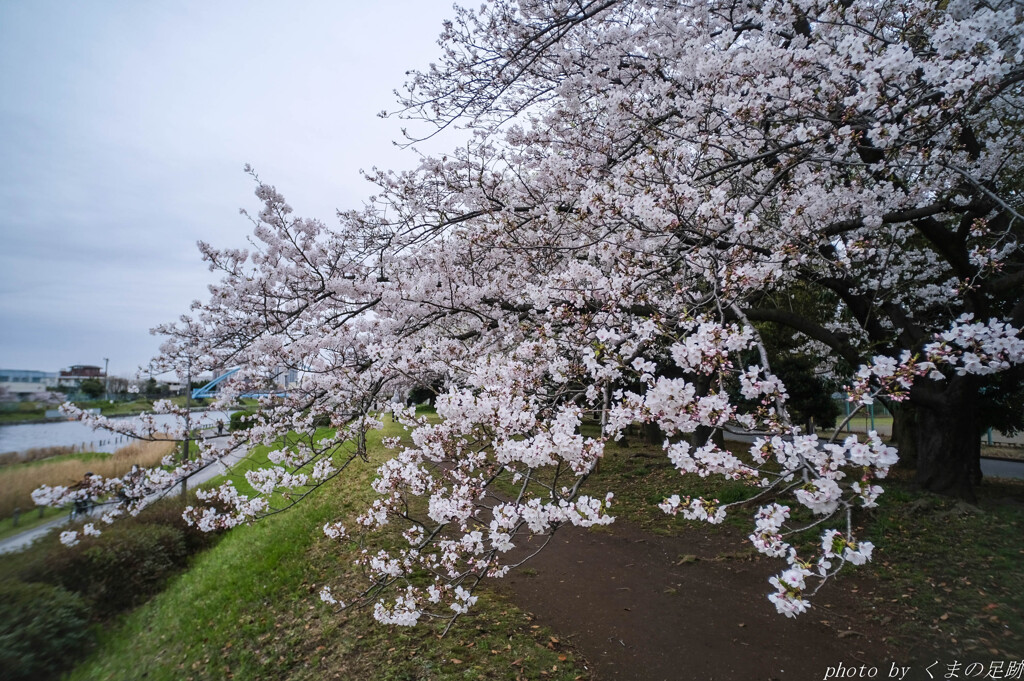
<point x="703" y="434"/>
<point x="948" y="440"/>
<point x="653" y="434"/>
<point x="904" y="432"/>
<point x="700" y="437"/>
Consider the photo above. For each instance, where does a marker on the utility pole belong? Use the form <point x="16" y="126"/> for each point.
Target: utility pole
<point x="106" y="378"/>
<point x="188" y="421"/>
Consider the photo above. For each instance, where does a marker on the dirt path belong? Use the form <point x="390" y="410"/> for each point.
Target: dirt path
<point x="647" y="607"/>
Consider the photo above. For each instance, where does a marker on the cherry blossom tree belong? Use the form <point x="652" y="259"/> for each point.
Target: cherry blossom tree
<point x="644" y="182"/>
<point x="863" y="149"/>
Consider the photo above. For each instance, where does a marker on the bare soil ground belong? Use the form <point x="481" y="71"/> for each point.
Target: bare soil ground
<point x="692" y="606"/>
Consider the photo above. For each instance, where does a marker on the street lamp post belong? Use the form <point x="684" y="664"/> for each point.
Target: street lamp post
<point x="188" y="421"/>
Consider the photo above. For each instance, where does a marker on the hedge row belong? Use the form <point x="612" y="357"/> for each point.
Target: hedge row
<point x="53" y="595"/>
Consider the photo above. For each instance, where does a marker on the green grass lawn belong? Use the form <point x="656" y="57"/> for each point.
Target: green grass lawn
<point x="952" y="573"/>
<point x="248" y="609"/>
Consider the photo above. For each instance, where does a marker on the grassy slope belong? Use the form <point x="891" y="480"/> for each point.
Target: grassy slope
<point x="248" y="609"/>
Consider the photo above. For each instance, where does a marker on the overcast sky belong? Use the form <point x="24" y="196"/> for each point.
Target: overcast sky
<point x="124" y="127"/>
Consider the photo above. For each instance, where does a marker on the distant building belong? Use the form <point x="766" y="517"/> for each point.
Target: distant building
<point x="73" y="376"/>
<point x="25" y="384"/>
<point x="287" y="378"/>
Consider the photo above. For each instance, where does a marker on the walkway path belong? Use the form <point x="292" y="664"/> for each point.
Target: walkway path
<point x="22" y="540"/>
<point x="693" y="607"/>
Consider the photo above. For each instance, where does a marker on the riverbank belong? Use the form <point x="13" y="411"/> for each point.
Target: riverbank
<point x="37" y="412"/>
<point x="58" y="435"/>
<point x="18" y="481"/>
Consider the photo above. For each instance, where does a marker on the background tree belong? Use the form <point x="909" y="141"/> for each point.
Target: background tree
<point x="92" y="388"/>
<point x="116" y="385"/>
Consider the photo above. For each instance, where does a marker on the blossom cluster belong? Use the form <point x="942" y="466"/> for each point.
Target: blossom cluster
<point x="966" y="347"/>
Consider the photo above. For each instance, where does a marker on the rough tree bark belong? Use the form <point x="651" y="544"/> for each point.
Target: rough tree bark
<point x="947" y="437"/>
<point x="904" y="432"/>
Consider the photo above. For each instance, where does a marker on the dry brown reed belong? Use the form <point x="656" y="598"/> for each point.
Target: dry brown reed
<point x="18" y="482"/>
<point x="37" y="454"/>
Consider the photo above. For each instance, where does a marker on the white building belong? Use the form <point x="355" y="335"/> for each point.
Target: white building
<point x="26" y="384"/>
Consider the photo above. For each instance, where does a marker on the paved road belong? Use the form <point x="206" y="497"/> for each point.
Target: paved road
<point x="24" y="539"/>
<point x="1001" y="468"/>
<point x="19" y="541"/>
<point x="993" y="468"/>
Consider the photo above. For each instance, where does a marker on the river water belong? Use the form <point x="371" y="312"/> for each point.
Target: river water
<point x="25" y="436"/>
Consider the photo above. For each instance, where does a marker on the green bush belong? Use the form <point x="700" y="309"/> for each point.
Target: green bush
<point x="124" y="566"/>
<point x="240" y="419"/>
<point x="92" y="387"/>
<point x="121" y="568"/>
<point x="322" y="421"/>
<point x="43" y="631"/>
<point x="49" y="593"/>
<point x="167" y="512"/>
